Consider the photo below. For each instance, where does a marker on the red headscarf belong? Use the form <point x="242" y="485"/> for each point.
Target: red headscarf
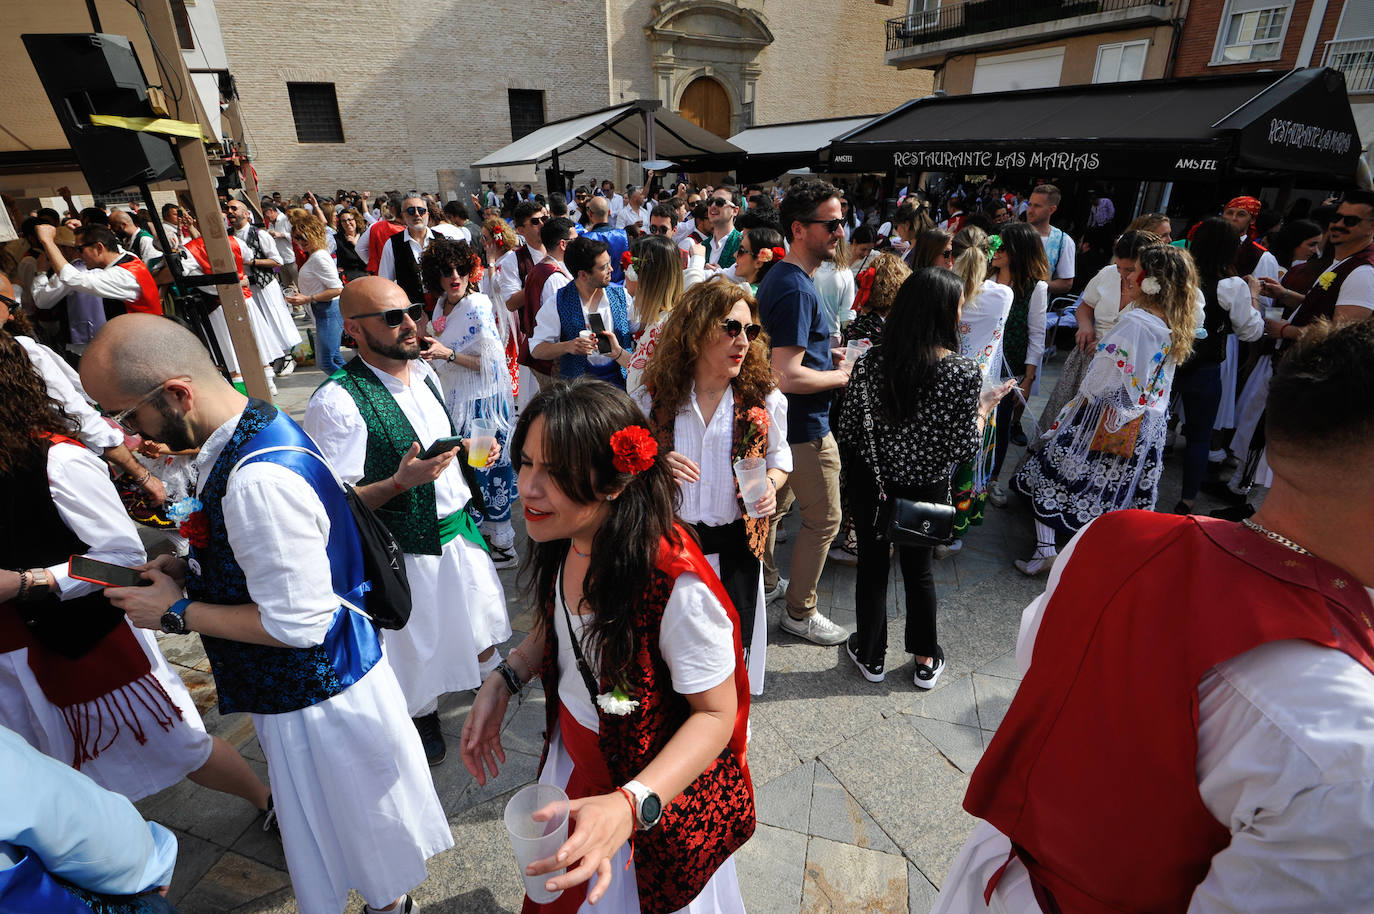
<point x="1249" y="204"/>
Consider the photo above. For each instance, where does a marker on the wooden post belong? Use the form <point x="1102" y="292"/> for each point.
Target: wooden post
<point x="201" y="184"/>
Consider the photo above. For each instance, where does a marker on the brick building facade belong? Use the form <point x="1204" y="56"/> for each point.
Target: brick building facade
<point x="1295" y="41"/>
<point x="423" y="90"/>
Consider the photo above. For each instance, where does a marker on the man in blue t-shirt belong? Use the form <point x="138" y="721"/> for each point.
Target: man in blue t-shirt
<point x="796" y="322"/>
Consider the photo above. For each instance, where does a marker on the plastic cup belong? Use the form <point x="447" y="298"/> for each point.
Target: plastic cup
<point x="535" y="839"/>
<point x="1274" y="312"/>
<point x="752" y="474"/>
<point x="480" y="442"/>
<point x="854" y="350"/>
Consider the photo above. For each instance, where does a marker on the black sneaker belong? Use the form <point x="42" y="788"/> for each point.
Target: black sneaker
<point x="873" y="672"/>
<point x="269" y="818"/>
<point x="432" y="738"/>
<point x="927" y="676"/>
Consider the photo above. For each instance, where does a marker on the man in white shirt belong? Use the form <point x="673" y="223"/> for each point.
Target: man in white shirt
<point x="456" y="215"/>
<point x="635" y="211"/>
<point x="172" y="219"/>
<point x="514" y="266"/>
<point x="135" y="239"/>
<point x="615" y="200"/>
<point x="260" y="256"/>
<point x="413" y="240"/>
<point x="541" y="287"/>
<point x="588" y="261"/>
<point x="1059" y="247"/>
<point x="356" y="805"/>
<point x="723" y="240"/>
<point x="1258" y="797"/>
<point x="279" y="227"/>
<point x="118" y="277"/>
<point x="372" y="421"/>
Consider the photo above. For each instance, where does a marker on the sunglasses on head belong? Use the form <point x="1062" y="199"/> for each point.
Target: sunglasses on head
<point x="1347" y="220"/>
<point x="721" y="202"/>
<point x="394" y="316"/>
<point x="831" y="225"/>
<point x="734" y="328"/>
<point x="416" y="210"/>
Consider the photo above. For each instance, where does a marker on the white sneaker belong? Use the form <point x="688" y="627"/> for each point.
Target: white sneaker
<point x="778" y="591"/>
<point x="287" y="367"/>
<point x="815" y="628"/>
<point x="997" y="495"/>
<point x="407" y="906"/>
<point x="271" y="385"/>
<point x="504" y="557"/>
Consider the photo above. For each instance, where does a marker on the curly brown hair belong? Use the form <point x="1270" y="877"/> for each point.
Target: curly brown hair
<point x="889" y="272"/>
<point x="496" y="227"/>
<point x="445" y="254"/>
<point x="691" y="325"/>
<point x="23" y="416"/>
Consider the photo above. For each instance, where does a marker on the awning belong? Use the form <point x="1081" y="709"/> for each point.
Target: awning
<point x="775" y="148"/>
<point x="1201" y="128"/>
<point x="623" y="131"/>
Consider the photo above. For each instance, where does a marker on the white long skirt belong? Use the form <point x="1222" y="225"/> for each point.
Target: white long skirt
<point x="1249" y="411"/>
<point x="720" y="896"/>
<point x="353" y="796"/>
<point x="262" y="336"/>
<point x="758" y="646"/>
<point x="276" y="316"/>
<point x="1230" y="367"/>
<point x="983" y="853"/>
<point x="125" y="766"/>
<point x="458" y="611"/>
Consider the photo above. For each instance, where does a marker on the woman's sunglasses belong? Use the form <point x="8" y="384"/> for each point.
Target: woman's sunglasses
<point x="394" y="316"/>
<point x="734" y="328"/>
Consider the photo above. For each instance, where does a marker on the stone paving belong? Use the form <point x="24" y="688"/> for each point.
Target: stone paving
<point x="858" y="786"/>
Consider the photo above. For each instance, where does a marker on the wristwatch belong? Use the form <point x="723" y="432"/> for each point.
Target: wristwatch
<point x="648" y="807"/>
<point x="174" y="619"/>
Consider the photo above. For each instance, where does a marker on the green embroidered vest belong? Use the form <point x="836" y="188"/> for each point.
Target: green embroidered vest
<point x="413" y="515"/>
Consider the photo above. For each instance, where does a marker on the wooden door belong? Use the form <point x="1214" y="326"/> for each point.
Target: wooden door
<point x="706" y="105"/>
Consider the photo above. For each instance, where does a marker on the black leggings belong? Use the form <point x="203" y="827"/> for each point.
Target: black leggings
<point x="1006" y="407"/>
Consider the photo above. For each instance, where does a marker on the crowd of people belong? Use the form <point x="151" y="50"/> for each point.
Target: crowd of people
<point x="657" y="378"/>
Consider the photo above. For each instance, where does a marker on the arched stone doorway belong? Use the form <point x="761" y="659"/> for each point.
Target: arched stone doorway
<point x="706" y="104"/>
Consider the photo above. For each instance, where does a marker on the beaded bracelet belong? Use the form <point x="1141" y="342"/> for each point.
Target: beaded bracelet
<point x="508" y="674"/>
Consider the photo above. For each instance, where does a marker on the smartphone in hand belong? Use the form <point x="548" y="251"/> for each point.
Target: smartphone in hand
<point x="441" y="446"/>
<point x="85" y="568"/>
<point x="598" y="326"/>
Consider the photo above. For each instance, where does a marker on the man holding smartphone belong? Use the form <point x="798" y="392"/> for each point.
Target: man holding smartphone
<point x="373" y="420"/>
<point x="566" y="328"/>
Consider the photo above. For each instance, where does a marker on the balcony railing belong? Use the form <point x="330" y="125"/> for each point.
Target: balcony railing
<point x="975" y="17"/>
<point x="1355" y="58"/>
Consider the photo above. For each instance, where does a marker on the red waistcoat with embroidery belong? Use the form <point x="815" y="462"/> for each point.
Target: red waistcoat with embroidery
<point x="148" y="300"/>
<point x="714" y="816"/>
<point x="1093" y="773"/>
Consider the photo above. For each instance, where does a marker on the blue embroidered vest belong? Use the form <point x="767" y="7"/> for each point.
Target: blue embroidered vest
<point x="273" y="680"/>
<point x="573" y="320"/>
<point x="28" y="886"/>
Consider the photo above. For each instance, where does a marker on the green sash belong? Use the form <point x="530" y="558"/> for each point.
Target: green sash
<point x="457" y="524"/>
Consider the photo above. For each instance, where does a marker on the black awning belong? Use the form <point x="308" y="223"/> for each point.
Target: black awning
<point x="1195" y="128"/>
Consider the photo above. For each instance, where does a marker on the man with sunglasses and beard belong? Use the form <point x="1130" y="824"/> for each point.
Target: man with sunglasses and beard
<point x="275" y="556"/>
<point x="1342" y="293"/>
<point x="394" y="264"/>
<point x="723" y="240"/>
<point x="373" y="419"/>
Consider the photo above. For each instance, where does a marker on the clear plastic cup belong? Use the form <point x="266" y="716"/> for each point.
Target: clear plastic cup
<point x="1274" y="312"/>
<point x="480" y="442"/>
<point x="752" y="474"/>
<point x="537" y="838"/>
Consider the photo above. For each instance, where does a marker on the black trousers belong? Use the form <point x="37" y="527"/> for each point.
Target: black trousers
<point x="739" y="571"/>
<point x="870" y="584"/>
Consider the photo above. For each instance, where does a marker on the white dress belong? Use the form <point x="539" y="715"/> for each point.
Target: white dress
<point x="1286" y="770"/>
<point x="695" y="640"/>
<point x="274" y="312"/>
<point x="471" y="329"/>
<point x="88" y="504"/>
<point x="459" y="606"/>
<point x="350" y="784"/>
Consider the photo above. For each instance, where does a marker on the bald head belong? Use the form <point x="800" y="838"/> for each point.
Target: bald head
<point x="599" y="210"/>
<point x="121" y="223"/>
<point x="6" y="287"/>
<point x="134" y="353"/>
<point x="371" y="293"/>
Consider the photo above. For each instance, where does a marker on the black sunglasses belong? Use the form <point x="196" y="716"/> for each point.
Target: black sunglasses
<point x="535" y="220"/>
<point x="417" y="210"/>
<point x="733" y="328"/>
<point x="394" y="316"/>
<point x="831" y="225"/>
<point x="1347" y="220"/>
<point x="721" y="202"/>
<point x="658" y="229"/>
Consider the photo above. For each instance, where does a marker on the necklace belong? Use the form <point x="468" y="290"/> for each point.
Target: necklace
<point x="585" y="555"/>
<point x="1281" y="540"/>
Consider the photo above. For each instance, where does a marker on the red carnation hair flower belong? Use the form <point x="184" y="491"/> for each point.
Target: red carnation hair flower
<point x="634" y="449"/>
<point x="779" y="253"/>
<point x="626" y="258"/>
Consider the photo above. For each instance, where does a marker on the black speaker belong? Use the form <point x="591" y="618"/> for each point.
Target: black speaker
<point x="100" y="74"/>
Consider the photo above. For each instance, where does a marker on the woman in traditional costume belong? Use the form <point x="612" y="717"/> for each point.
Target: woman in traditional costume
<point x="711" y="399"/>
<point x="639" y="651"/>
<point x="1105" y="451"/>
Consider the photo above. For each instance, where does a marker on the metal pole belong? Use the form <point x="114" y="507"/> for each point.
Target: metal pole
<point x="95" y="17"/>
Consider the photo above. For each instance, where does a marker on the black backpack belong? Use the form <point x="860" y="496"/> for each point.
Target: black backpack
<point x="388" y="599"/>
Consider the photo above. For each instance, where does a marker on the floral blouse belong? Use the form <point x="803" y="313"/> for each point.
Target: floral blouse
<point x="924" y="449"/>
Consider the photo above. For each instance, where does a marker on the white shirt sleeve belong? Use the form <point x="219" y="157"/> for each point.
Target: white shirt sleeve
<point x="333" y="422"/>
<point x="386" y="263"/>
<point x="112" y="282"/>
<point x="695" y="638"/>
<point x="1358" y="289"/>
<point x="269" y="247"/>
<point x="88" y="504"/>
<point x="1035" y="324"/>
<point x="317" y="274"/>
<point x="507" y="278"/>
<point x="1234" y="295"/>
<point x="695" y="271"/>
<point x="779" y="453"/>
<point x="1064" y="269"/>
<point x="279" y="530"/>
<point x="95" y="432"/>
<point x="47" y="291"/>
<point x="363" y="239"/>
<point x="547" y="327"/>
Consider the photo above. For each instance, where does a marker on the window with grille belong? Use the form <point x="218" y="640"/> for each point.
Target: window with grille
<point x="526" y="111"/>
<point x="315" y="108"/>
<point x="1252" y="30"/>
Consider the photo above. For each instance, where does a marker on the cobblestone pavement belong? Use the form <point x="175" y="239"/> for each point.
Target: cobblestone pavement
<point x="859" y="786"/>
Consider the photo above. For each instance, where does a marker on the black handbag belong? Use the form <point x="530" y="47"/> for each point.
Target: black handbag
<point x="905" y="521"/>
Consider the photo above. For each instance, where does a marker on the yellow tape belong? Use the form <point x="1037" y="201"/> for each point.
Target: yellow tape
<point x="163" y="125"/>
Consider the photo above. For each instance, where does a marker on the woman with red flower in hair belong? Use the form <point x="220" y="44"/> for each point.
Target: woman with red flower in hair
<point x="712" y="400"/>
<point x="639" y="651"/>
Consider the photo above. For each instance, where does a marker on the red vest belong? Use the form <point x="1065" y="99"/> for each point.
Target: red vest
<point x="378" y="235"/>
<point x="149" y="301"/>
<point x="1093" y="773"/>
<point x="196" y="248"/>
<point x="714" y="816"/>
<point x="528" y="314"/>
